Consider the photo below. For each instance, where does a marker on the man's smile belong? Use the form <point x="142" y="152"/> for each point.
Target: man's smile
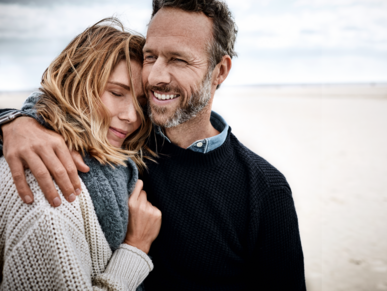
<point x="164" y="96"/>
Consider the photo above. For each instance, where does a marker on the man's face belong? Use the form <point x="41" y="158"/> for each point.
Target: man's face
<point x="175" y="71"/>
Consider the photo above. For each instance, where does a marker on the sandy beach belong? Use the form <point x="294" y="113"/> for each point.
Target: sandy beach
<point x="331" y="144"/>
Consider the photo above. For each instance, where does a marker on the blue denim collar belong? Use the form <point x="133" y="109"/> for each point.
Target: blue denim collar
<point x="208" y="144"/>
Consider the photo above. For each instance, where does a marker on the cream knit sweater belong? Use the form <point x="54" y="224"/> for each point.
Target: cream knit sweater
<point x="64" y="248"/>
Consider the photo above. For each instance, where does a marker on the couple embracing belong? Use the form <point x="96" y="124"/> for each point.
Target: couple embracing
<point x="207" y="214"/>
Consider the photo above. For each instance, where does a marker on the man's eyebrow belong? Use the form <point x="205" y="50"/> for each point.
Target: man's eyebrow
<point x="172" y="53"/>
<point x="179" y="54"/>
<point x="147" y="50"/>
<point x="126" y="87"/>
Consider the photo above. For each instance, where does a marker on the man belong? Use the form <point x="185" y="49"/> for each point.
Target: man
<point x="229" y="221"/>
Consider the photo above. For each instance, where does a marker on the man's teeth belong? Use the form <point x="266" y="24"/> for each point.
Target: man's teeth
<point x="164" y="96"/>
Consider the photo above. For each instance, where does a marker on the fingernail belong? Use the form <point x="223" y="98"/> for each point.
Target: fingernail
<point x="27" y="199"/>
<point x="72" y="198"/>
<point x="56" y="202"/>
<point x="78" y="191"/>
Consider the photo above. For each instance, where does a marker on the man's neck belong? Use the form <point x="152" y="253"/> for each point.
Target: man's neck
<point x="192" y="130"/>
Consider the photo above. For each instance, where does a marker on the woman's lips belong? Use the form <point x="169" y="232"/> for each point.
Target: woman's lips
<point x="118" y="132"/>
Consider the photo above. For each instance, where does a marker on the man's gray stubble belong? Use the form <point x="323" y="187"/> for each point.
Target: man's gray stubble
<point x="196" y="103"/>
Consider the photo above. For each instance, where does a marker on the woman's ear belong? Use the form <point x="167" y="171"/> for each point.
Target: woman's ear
<point x="221" y="70"/>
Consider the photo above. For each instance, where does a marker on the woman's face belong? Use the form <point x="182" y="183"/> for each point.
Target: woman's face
<point x="118" y="98"/>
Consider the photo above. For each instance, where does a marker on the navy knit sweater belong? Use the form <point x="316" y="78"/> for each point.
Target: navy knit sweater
<point x="229" y="221"/>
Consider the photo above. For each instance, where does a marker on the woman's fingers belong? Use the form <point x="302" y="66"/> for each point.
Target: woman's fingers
<point x="144" y="220"/>
<point x="136" y="192"/>
<point x="142" y="198"/>
<point x="156" y="220"/>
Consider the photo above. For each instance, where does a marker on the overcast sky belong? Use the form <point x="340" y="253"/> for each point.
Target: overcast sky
<point x="279" y="41"/>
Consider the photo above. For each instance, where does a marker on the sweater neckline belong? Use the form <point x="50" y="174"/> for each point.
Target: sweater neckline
<point x="169" y="150"/>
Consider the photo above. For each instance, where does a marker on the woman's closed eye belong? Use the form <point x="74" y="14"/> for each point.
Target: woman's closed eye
<point x="116" y="94"/>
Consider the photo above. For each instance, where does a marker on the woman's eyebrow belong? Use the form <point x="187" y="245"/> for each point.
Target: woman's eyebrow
<point x="126" y="87"/>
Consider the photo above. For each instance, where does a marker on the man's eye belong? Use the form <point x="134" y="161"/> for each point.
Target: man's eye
<point x="149" y="58"/>
<point x="180" y="60"/>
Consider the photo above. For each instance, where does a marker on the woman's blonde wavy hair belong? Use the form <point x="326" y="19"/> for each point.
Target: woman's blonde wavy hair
<point x="72" y="85"/>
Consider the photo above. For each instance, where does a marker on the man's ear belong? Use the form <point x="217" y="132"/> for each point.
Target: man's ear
<point x="221" y="70"/>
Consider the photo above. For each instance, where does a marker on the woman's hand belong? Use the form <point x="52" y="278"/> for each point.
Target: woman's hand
<point x="144" y="220"/>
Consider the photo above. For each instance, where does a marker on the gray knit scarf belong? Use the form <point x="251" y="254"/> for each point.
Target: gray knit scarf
<point x="109" y="189"/>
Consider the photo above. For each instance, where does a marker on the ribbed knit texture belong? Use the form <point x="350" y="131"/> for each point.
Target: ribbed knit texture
<point x="229" y="221"/>
<point x="109" y="189"/>
<point x="64" y="248"/>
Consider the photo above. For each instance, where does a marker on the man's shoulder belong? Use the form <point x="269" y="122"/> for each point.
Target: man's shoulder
<point x="263" y="173"/>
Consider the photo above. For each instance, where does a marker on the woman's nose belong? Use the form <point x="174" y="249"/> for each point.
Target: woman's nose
<point x="128" y="113"/>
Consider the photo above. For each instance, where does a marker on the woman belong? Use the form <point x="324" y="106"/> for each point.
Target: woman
<point x="92" y="96"/>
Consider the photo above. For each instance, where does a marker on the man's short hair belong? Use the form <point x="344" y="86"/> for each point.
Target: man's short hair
<point x="224" y="27"/>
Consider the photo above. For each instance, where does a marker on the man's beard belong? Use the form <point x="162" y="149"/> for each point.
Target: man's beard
<point x="196" y="103"/>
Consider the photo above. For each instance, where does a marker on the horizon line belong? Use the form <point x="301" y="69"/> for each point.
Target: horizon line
<point x="264" y="85"/>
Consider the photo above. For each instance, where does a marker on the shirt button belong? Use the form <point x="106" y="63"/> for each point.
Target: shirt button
<point x="199" y="144"/>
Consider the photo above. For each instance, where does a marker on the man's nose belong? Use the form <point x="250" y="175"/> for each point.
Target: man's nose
<point x="128" y="113"/>
<point x="159" y="74"/>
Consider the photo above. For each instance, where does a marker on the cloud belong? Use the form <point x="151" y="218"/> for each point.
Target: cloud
<point x="31" y="36"/>
<point x="279" y="41"/>
<point x="320" y="3"/>
<point x="284" y="68"/>
<point x="64" y="21"/>
<point x="51" y="3"/>
<point x="304" y="26"/>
